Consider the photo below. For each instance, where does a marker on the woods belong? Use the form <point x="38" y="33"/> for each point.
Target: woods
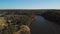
<point x="14" y="22"/>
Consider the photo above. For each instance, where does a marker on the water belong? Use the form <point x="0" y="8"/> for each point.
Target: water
<point x="40" y="19"/>
<point x="43" y="26"/>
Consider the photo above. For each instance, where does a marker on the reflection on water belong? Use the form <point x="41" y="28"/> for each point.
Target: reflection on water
<point x="40" y="20"/>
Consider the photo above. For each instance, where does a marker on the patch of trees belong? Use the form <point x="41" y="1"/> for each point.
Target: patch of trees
<point x="52" y="16"/>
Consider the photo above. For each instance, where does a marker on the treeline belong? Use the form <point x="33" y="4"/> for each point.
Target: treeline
<point x="53" y="16"/>
<point x="28" y="12"/>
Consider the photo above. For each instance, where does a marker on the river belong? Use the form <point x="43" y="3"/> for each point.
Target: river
<point x="42" y="26"/>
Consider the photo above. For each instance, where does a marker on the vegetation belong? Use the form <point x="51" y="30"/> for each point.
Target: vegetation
<point x="53" y="16"/>
<point x="14" y="23"/>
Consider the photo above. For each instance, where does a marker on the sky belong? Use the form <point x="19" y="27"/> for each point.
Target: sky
<point x="29" y="4"/>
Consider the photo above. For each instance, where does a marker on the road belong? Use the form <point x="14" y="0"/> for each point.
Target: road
<point x="43" y="26"/>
